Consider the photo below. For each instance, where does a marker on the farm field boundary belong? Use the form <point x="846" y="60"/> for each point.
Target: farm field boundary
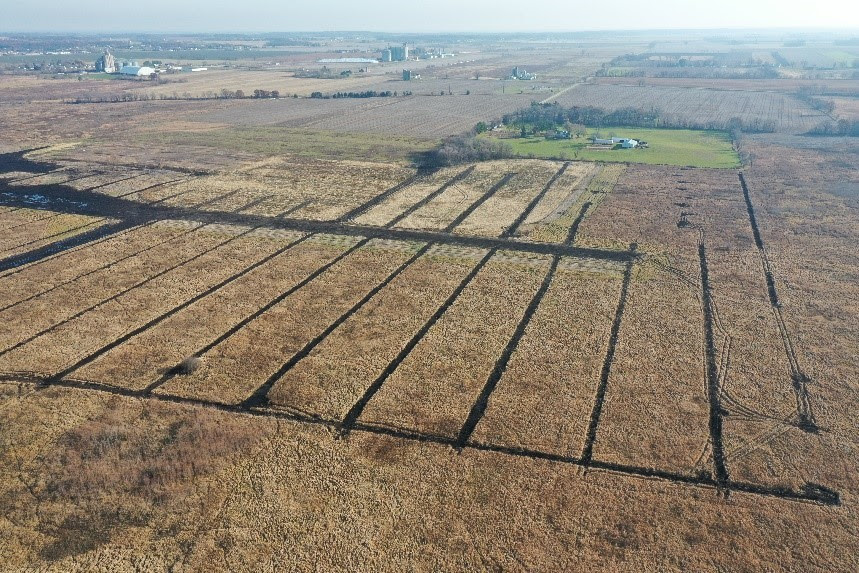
<point x="810" y="493"/>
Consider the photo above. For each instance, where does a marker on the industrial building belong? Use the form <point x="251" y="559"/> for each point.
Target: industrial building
<point x="522" y="74"/>
<point x="106" y="63"/>
<point x="138" y="71"/>
<point x="396" y="54"/>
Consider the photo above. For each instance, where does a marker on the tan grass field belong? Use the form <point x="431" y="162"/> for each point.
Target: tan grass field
<point x="276" y="347"/>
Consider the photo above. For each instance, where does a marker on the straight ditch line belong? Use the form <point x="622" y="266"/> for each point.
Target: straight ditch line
<point x="479" y="407"/>
<point x="712" y="373"/>
<point x="514" y="227"/>
<point x="73" y="229"/>
<point x="294" y="208"/>
<point x="102" y="185"/>
<point x="51" y="216"/>
<point x="361" y="209"/>
<point x="94" y="355"/>
<point x="482" y="402"/>
<point x="574" y="228"/>
<point x="260" y="311"/>
<point x="593" y="425"/>
<point x="357" y="409"/>
<point x="256" y="202"/>
<point x="101" y="268"/>
<point x="87" y="238"/>
<point x="163" y="184"/>
<point x="799" y="380"/>
<point x="260" y="395"/>
<point x="52" y="171"/>
<point x="122" y="292"/>
<point x="811" y="493"/>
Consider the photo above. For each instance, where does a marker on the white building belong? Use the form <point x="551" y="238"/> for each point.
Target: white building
<point x="624" y="142"/>
<point x="139" y="71"/>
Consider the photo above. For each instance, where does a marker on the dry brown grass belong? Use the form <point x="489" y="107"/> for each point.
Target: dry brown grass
<point x="61" y="346"/>
<point x="436" y="385"/>
<point x="90" y="481"/>
<point x="338" y="371"/>
<point x="235" y="368"/>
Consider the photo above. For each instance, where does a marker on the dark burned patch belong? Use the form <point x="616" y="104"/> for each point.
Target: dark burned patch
<point x="130" y="467"/>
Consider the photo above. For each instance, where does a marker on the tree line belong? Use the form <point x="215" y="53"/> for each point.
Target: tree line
<point x="842" y="127"/>
<point x="459" y="149"/>
<point x="548" y="116"/>
<point x="358" y="95"/>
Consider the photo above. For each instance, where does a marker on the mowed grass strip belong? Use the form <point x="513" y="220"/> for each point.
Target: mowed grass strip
<point x="77" y="338"/>
<point x="397" y="203"/>
<point x="544" y="399"/>
<point x="234" y="369"/>
<point x="338" y="371"/>
<point x="435" y="387"/>
<point x="682" y="147"/>
<point x="500" y="210"/>
<point x="271" y="140"/>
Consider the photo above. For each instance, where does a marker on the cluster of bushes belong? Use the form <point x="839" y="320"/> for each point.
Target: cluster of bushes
<point x="464" y="149"/>
<point x="548" y="116"/>
<point x="265" y="94"/>
<point x="842" y="127"/>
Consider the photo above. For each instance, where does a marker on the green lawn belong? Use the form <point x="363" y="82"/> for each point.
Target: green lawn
<point x="682" y="147"/>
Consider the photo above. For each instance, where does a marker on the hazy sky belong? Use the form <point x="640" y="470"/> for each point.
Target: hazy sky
<point x="420" y="15"/>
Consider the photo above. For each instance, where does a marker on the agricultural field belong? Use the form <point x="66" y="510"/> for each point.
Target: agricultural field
<point x="700" y="106"/>
<point x="846" y="107"/>
<point x="262" y="334"/>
